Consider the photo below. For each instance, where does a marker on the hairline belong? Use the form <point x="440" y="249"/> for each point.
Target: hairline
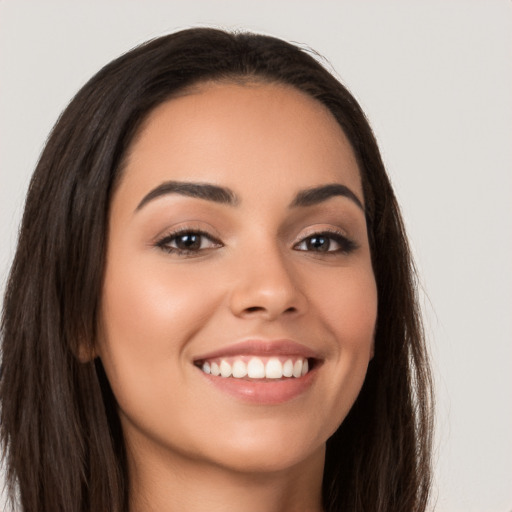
<point x="201" y="85"/>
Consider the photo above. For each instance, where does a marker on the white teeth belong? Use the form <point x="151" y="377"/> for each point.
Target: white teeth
<point x="225" y="369"/>
<point x="239" y="369"/>
<point x="214" y="369"/>
<point x="297" y="368"/>
<point x="288" y="368"/>
<point x="273" y="369"/>
<point x="256" y="369"/>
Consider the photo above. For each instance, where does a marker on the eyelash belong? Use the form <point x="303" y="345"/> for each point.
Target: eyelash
<point x="346" y="245"/>
<point x="165" y="242"/>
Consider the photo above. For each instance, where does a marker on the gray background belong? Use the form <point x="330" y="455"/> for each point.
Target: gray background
<point x="435" y="79"/>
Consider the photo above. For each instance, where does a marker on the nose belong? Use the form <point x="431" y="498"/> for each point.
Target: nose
<point x="266" y="286"/>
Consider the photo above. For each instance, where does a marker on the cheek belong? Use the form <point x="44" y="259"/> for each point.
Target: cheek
<point x="153" y="307"/>
<point x="348" y="307"/>
<point x="149" y="313"/>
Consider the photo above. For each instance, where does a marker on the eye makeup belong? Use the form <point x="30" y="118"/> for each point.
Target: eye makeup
<point x="190" y="241"/>
<point x="187" y="241"/>
<point x="323" y="242"/>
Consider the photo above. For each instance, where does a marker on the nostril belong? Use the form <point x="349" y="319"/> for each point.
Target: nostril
<point x="254" y="309"/>
<point x="253" y="300"/>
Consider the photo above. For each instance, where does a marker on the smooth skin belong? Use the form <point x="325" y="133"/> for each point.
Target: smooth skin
<point x="261" y="271"/>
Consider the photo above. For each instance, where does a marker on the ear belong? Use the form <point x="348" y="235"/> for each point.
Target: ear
<point x="86" y="352"/>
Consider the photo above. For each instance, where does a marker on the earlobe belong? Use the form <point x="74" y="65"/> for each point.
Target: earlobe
<point x="86" y="353"/>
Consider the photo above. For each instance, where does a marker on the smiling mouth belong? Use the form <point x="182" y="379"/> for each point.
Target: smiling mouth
<point x="257" y="368"/>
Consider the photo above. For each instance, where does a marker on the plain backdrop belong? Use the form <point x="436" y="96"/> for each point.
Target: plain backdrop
<point x="435" y="79"/>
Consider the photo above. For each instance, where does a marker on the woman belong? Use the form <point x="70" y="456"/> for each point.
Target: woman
<point x="212" y="304"/>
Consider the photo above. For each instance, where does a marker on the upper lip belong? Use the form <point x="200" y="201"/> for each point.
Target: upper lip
<point x="255" y="347"/>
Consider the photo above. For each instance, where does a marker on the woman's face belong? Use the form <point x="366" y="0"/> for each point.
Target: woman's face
<point x="237" y="244"/>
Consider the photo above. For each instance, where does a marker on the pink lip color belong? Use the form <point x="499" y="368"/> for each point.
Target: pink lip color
<point x="262" y="348"/>
<point x="268" y="391"/>
<point x="264" y="391"/>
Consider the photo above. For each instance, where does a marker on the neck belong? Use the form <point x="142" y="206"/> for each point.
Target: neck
<point x="165" y="484"/>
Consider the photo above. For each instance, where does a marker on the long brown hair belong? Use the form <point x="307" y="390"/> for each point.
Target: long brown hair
<point x="63" y="445"/>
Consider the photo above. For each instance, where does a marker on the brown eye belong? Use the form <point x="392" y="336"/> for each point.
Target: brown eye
<point x="318" y="243"/>
<point x="188" y="242"/>
<point x="326" y="242"/>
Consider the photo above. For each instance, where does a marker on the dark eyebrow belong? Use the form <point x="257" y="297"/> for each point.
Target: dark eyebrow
<point x="313" y="196"/>
<point x="200" y="190"/>
<point x="223" y="195"/>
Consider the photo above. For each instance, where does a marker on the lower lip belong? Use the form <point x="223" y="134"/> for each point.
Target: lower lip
<point x="269" y="391"/>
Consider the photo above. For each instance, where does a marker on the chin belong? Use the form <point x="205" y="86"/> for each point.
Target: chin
<point x="268" y="446"/>
<point x="247" y="461"/>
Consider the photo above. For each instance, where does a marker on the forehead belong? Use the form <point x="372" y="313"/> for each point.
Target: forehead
<point x="255" y="137"/>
